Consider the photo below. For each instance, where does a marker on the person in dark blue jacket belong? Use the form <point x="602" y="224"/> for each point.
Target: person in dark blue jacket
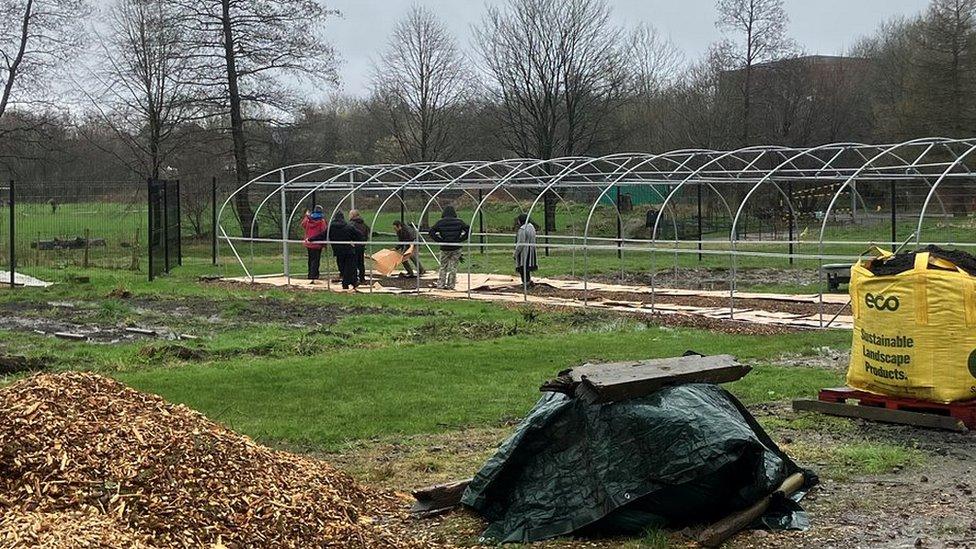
<point x="450" y="232"/>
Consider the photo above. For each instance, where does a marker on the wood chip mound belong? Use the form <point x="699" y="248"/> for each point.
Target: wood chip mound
<point x="65" y="529"/>
<point x="87" y="459"/>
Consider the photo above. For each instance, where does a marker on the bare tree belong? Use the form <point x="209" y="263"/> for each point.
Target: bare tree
<point x="947" y="66"/>
<point x="557" y="72"/>
<point x="422" y="85"/>
<point x="892" y="53"/>
<point x="656" y="66"/>
<point x="557" y="76"/>
<point x="146" y="78"/>
<point x="760" y="26"/>
<point x="36" y="36"/>
<point x="250" y="52"/>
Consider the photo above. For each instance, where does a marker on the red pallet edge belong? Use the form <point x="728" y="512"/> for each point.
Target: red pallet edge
<point x="962" y="411"/>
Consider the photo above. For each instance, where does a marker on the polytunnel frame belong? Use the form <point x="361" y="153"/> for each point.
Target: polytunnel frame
<point x="508" y="174"/>
<point x="425" y="168"/>
<point x="768" y="177"/>
<point x="569" y="169"/>
<point x="524" y="166"/>
<point x="889" y="151"/>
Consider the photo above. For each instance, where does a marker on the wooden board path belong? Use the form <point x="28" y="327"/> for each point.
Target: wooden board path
<point x="486" y="287"/>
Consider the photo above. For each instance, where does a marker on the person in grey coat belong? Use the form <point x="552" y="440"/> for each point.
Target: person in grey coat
<point x="525" y="256"/>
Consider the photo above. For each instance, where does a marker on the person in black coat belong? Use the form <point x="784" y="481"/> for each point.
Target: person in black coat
<point x="356" y="220"/>
<point x="450" y="232"/>
<point x="342" y="237"/>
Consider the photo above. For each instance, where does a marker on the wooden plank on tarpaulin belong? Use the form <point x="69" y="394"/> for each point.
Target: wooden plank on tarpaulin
<point x="618" y="381"/>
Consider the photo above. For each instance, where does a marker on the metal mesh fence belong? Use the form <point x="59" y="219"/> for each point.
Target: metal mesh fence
<point x="60" y="229"/>
<point x="65" y="226"/>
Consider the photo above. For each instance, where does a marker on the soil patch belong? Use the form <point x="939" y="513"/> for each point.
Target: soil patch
<point x="803" y="309"/>
<point x="405" y="283"/>
<point x="19" y="364"/>
<point x="677" y="320"/>
<point x="107" y="322"/>
<point x="714" y="278"/>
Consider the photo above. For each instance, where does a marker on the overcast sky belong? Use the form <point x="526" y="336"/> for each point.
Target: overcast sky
<point x="820" y="26"/>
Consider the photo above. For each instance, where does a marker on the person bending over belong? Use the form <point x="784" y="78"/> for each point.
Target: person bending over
<point x="407" y="239"/>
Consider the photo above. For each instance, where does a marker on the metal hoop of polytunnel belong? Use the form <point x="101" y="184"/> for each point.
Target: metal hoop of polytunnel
<point x="794" y="208"/>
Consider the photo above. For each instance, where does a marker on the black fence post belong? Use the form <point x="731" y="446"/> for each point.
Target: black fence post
<point x="481" y="219"/>
<point x="165" y="190"/>
<point x="179" y="225"/>
<point x="792" y="220"/>
<point x="213" y="220"/>
<point x="13" y="234"/>
<point x="149" y="234"/>
<point x="701" y="232"/>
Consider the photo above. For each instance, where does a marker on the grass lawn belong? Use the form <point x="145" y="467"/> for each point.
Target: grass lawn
<point x="386" y="365"/>
<point x="403" y="392"/>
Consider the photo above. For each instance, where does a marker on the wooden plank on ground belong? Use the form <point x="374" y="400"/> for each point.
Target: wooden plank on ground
<point x="615" y="382"/>
<point x="884" y="415"/>
<point x="436" y="500"/>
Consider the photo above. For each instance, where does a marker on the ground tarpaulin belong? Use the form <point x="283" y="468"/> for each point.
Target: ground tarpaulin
<point x="23" y="280"/>
<point x="682" y="456"/>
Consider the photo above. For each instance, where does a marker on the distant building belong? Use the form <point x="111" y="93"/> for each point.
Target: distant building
<point x="802" y="100"/>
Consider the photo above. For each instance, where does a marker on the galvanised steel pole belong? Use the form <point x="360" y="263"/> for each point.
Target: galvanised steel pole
<point x="13" y="229"/>
<point x="213" y="219"/>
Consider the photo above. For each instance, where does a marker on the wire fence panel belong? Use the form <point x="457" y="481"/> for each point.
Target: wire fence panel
<point x="67" y="226"/>
<point x="158" y="258"/>
<point x="64" y="229"/>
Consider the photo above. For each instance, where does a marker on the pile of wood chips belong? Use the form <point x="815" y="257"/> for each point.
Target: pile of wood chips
<point x="87" y="459"/>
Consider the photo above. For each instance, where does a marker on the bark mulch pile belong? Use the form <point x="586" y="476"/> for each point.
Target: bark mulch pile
<point x="87" y="461"/>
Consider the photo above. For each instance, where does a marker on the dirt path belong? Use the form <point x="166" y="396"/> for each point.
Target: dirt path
<point x="715" y="278"/>
<point x="108" y="322"/>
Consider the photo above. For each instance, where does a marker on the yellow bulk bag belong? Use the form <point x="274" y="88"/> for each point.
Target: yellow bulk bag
<point x="915" y="332"/>
<point x="386" y="261"/>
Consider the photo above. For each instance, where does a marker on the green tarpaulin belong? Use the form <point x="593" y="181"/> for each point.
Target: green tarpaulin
<point x="682" y="456"/>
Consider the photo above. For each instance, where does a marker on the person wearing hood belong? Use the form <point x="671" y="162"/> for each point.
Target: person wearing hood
<point x="450" y="232"/>
<point x="525" y="256"/>
<point x="314" y="224"/>
<point x="342" y="237"/>
<point x="356" y="220"/>
<point x="407" y="245"/>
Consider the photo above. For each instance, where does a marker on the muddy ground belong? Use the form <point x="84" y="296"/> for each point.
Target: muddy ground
<point x="927" y="502"/>
<point x="112" y="321"/>
<point x="714" y="278"/>
<point x="802" y="309"/>
<point x="671" y="320"/>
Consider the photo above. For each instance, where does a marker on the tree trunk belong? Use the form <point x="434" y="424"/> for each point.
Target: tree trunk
<point x="747" y="107"/>
<point x="241" y="200"/>
<point x="14" y="66"/>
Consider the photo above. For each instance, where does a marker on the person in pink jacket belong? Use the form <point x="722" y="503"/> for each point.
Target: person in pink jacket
<point x="314" y="225"/>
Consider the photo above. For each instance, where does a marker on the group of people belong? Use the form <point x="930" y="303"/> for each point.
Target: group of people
<point x="348" y="241"/>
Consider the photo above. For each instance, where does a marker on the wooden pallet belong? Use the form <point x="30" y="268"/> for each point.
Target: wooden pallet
<point x="844" y="402"/>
